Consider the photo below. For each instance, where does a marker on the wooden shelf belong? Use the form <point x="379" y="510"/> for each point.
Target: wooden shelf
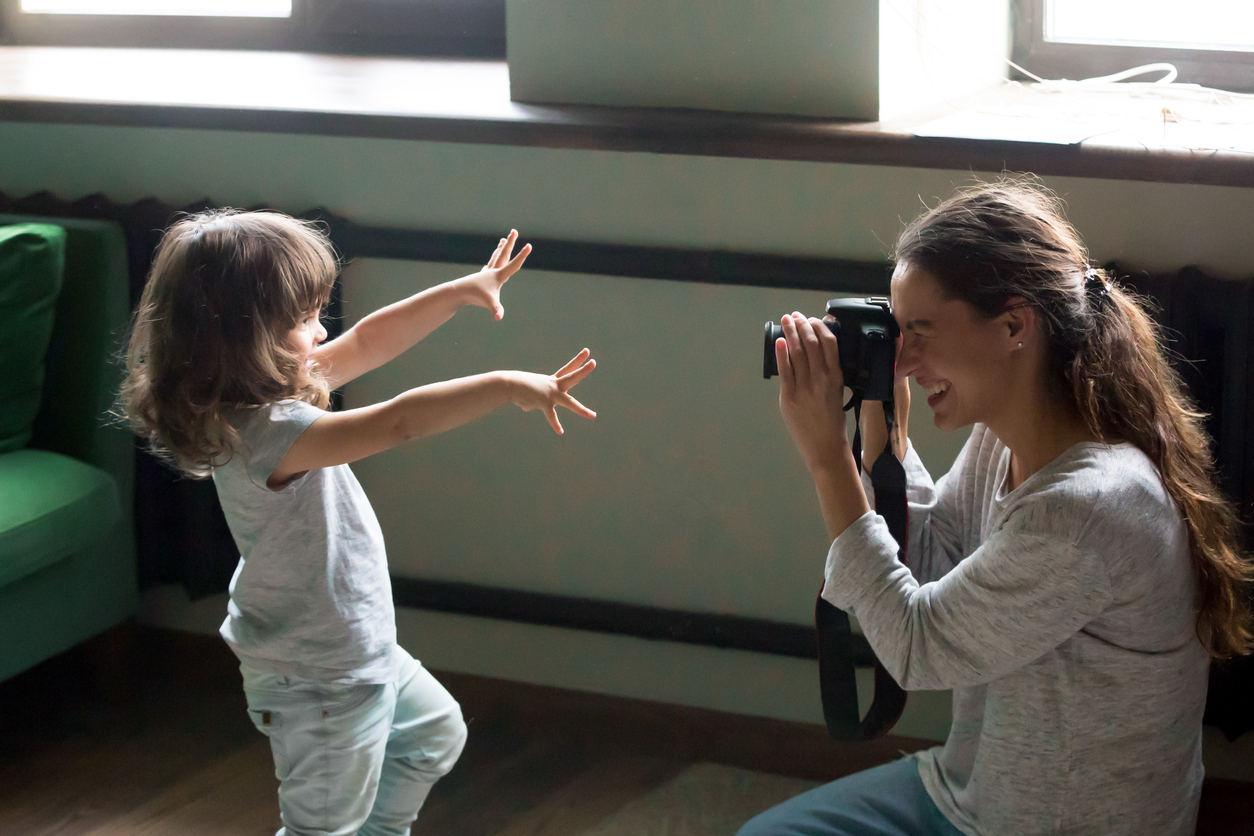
<point x="443" y="100"/>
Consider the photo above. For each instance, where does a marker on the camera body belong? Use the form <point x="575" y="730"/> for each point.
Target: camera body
<point x="866" y="335"/>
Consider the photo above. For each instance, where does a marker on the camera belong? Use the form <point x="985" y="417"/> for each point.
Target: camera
<point x="866" y="335"/>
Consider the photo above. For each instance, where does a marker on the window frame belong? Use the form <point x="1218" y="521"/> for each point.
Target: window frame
<point x="1223" y="69"/>
<point x="454" y="28"/>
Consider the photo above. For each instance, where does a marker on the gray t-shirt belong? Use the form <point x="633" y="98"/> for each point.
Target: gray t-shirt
<point x="311" y="595"/>
<point x="1062" y="615"/>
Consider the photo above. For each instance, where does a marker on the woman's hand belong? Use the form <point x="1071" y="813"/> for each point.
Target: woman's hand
<point x="811" y="397"/>
<point x="548" y="391"/>
<point x="812" y="388"/>
<point x="483" y="289"/>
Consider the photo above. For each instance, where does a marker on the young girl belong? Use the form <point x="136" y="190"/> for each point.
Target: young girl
<point x="228" y="376"/>
<point x="1072" y="575"/>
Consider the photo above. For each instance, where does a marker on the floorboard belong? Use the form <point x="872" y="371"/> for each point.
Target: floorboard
<point x="144" y="733"/>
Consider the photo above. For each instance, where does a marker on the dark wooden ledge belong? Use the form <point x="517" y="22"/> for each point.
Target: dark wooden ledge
<point x="468" y="101"/>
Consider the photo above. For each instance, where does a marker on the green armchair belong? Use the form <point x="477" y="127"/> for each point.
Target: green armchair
<point x="67" y="546"/>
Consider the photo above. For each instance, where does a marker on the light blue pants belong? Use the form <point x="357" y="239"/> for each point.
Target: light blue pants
<point x="356" y="759"/>
<point x="888" y="800"/>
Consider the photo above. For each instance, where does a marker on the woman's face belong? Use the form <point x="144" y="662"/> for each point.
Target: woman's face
<point x="960" y="358"/>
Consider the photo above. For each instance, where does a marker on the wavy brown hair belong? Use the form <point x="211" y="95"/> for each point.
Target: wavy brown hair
<point x="995" y="241"/>
<point x="209" y="336"/>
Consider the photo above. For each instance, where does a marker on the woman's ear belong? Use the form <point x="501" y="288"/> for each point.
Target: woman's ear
<point x="1019" y="320"/>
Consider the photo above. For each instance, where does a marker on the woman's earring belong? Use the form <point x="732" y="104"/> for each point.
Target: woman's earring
<point x="1020" y="345"/>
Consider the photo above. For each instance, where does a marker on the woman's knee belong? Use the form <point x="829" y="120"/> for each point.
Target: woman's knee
<point x="762" y="824"/>
<point x="791" y="818"/>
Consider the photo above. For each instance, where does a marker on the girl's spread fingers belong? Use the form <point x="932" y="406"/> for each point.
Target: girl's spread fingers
<point x="551" y="414"/>
<point x="517" y="261"/>
<point x="574" y="363"/>
<point x="495" y="260"/>
<point x="567" y="381"/>
<point x="578" y="408"/>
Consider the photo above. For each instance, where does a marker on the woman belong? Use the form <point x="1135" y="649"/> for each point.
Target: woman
<point x="1072" y="575"/>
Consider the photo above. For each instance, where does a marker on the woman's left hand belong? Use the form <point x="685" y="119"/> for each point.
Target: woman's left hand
<point x="812" y="388"/>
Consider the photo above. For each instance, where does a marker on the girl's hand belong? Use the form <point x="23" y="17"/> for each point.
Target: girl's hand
<point x="812" y="389"/>
<point x="483" y="289"/>
<point x="549" y="391"/>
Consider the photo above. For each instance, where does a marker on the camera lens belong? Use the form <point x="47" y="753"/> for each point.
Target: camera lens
<point x="774" y="331"/>
<point x="770" y="367"/>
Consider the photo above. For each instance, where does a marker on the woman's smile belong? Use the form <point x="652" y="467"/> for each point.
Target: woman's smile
<point x="936" y="393"/>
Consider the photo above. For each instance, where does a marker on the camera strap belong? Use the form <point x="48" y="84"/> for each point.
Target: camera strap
<point x="837" y="659"/>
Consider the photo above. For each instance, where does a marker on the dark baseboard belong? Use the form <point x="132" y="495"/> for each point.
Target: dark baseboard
<point x="729" y="267"/>
<point x="758" y="635"/>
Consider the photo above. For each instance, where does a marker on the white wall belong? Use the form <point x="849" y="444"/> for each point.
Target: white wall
<point x="701" y="338"/>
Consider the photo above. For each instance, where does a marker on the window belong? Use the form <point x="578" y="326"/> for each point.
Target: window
<point x="1210" y="42"/>
<point x="470" y="28"/>
<point x="190" y="8"/>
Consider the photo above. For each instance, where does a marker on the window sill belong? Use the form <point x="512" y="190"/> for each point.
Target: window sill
<point x="468" y="101"/>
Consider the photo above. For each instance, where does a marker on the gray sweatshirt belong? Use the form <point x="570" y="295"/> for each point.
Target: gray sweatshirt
<point x="1061" y="614"/>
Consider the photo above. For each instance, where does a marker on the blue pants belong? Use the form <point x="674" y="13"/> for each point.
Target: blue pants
<point x="888" y="800"/>
<point x="355" y="759"/>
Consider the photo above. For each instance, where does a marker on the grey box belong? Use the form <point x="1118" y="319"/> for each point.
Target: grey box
<point x="792" y="57"/>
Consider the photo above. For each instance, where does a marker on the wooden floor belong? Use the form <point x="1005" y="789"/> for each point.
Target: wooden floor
<point x="168" y="749"/>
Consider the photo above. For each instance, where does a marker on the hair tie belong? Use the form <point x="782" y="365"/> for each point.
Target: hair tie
<point x="1097" y="288"/>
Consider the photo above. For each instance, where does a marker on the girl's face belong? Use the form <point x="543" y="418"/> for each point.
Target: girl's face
<point x="305" y="337"/>
<point x="950" y="351"/>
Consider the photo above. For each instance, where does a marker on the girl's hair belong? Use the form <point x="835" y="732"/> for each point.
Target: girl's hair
<point x="995" y="241"/>
<point x="209" y="336"/>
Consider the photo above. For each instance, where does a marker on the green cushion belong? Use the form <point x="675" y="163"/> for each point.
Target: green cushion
<point x="32" y="261"/>
<point x="51" y="506"/>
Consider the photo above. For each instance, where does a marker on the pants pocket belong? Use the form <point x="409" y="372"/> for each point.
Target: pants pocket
<point x="270" y="723"/>
<point x="338" y="700"/>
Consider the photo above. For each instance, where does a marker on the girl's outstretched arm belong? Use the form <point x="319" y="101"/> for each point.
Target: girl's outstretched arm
<point x="342" y="437"/>
<point x="391" y="330"/>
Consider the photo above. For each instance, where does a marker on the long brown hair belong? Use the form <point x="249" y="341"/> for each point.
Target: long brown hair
<point x="995" y="241"/>
<point x="209" y="336"/>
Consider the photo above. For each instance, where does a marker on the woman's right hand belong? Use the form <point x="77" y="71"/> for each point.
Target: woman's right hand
<point x="529" y="390"/>
<point x="875" y="431"/>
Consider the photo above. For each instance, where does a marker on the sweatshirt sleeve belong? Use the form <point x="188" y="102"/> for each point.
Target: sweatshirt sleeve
<point x="935" y="545"/>
<point x="1021" y="593"/>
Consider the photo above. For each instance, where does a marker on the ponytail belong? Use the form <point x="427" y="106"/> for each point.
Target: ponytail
<point x="1125" y="389"/>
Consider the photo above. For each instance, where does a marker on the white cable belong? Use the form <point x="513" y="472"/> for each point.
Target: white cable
<point x="1165" y="86"/>
<point x="1169" y="76"/>
<point x="1114" y="83"/>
